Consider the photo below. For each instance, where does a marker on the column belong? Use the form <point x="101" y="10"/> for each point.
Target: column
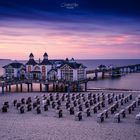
<point x="6" y="88"/>
<point x="9" y="88"/>
<point x="16" y="87"/>
<point x="103" y="75"/>
<point x="85" y="86"/>
<point x="28" y="87"/>
<point x="96" y="75"/>
<point x="56" y="87"/>
<point x="31" y="87"/>
<point x="40" y="87"/>
<point x="20" y="87"/>
<point x="68" y="88"/>
<point x="78" y="88"/>
<point x="46" y="87"/>
<point x="53" y="87"/>
<point x="2" y="88"/>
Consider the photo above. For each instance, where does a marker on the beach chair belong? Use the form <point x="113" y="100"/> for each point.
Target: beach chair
<point x="117" y="118"/>
<point x="29" y="107"/>
<point x="4" y="109"/>
<point x="100" y="118"/>
<point x="59" y="113"/>
<point x="123" y="113"/>
<point x="87" y="112"/>
<point x="15" y="102"/>
<point x="105" y="112"/>
<point x="137" y="118"/>
<point x="78" y="116"/>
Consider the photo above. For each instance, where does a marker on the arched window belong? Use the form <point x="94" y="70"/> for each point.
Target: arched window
<point x="37" y="68"/>
<point x="43" y="69"/>
<point x="29" y="68"/>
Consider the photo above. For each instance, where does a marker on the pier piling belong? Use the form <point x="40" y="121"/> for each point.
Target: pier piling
<point x="9" y="88"/>
<point x="16" y="87"/>
<point x="28" y="87"/>
<point x="20" y="87"/>
<point x="40" y="87"/>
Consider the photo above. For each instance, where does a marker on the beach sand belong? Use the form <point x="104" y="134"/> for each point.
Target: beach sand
<point x="31" y="126"/>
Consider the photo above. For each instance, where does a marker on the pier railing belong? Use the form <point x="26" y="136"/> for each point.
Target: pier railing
<point x="128" y="68"/>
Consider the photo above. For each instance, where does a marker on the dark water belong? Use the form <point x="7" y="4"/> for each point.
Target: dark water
<point x="130" y="81"/>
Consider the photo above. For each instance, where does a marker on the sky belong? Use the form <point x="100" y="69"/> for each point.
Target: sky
<point x="83" y="29"/>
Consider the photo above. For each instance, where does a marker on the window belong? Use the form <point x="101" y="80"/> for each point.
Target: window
<point x="67" y="73"/>
<point x="80" y="74"/>
<point x="43" y="69"/>
<point x="9" y="70"/>
<point x="37" y="68"/>
<point x="29" y="68"/>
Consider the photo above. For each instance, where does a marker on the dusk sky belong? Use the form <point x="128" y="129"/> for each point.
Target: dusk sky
<point x="83" y="29"/>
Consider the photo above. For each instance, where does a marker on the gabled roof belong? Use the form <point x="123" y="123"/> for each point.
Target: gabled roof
<point x="52" y="70"/>
<point x="31" y="62"/>
<point x="14" y="65"/>
<point x="45" y="62"/>
<point x="72" y="65"/>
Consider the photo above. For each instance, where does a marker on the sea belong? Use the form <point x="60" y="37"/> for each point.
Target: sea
<point x="129" y="81"/>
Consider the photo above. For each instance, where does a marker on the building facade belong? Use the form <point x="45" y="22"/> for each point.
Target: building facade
<point x="38" y="71"/>
<point x="71" y="71"/>
<point x="52" y="70"/>
<point x="14" y="70"/>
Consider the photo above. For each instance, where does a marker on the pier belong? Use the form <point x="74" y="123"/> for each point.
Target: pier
<point x="65" y="86"/>
<point x="44" y="86"/>
<point x="113" y="72"/>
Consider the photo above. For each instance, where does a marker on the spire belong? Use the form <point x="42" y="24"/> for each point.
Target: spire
<point x="45" y="55"/>
<point x="72" y="60"/>
<point x="67" y="59"/>
<point x="31" y="56"/>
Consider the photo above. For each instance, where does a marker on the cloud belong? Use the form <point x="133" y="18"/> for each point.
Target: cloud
<point x="81" y="32"/>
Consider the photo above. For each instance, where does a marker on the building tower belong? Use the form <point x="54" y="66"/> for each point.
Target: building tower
<point x="31" y="56"/>
<point x="45" y="55"/>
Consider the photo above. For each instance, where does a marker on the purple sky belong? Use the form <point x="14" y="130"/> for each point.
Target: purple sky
<point x="80" y="32"/>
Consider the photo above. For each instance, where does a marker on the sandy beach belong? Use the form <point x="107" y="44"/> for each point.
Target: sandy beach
<point x="31" y="126"/>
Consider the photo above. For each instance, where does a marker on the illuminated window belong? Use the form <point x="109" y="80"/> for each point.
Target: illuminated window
<point x="29" y="68"/>
<point x="43" y="69"/>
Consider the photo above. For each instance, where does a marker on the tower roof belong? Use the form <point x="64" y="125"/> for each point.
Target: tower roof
<point x="45" y="62"/>
<point x="31" y="55"/>
<point x="45" y="54"/>
<point x="31" y="62"/>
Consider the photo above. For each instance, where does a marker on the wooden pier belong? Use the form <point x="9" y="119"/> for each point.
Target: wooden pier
<point x="49" y="86"/>
<point x="114" y="72"/>
<point x="65" y="86"/>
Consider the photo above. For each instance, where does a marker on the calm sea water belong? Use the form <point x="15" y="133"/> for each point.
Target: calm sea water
<point x="130" y="81"/>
